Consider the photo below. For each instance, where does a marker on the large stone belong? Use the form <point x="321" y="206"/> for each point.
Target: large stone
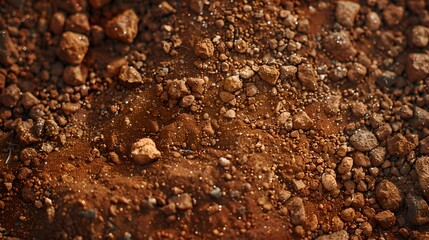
<point x="363" y="140"/>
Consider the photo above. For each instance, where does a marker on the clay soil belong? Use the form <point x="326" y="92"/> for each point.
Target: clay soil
<point x="214" y="119"/>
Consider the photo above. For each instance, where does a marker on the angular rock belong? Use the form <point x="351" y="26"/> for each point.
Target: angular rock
<point x="399" y="146"/>
<point x="389" y="196"/>
<point x="339" y="46"/>
<point x="28" y="100"/>
<point x="129" y="75"/>
<point x="345" y="166"/>
<point x="422" y="169"/>
<point x="420" y="36"/>
<point x="302" y="121"/>
<point x="393" y="14"/>
<point x="420" y="118"/>
<point x="288" y="72"/>
<point x="308" y="77"/>
<point x="10" y="96"/>
<point x="385" y="219"/>
<point x="417" y="210"/>
<point x="417" y="66"/>
<point x="232" y="84"/>
<point x="8" y="52"/>
<point x="269" y="74"/>
<point x="296" y="209"/>
<point x="204" y="48"/>
<point x="78" y="23"/>
<point x="73" y="47"/>
<point x="144" y="151"/>
<point x="424" y="146"/>
<point x="123" y="27"/>
<point x="183" y="201"/>
<point x="363" y="140"/>
<point x="340" y="235"/>
<point x="346" y="12"/>
<point x="75" y="75"/>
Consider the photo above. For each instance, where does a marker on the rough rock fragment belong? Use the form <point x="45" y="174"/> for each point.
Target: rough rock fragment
<point x="73" y="47"/>
<point x="385" y="219"/>
<point x="144" y="151"/>
<point x="417" y="66"/>
<point x="10" y="95"/>
<point x="339" y="46"/>
<point x="388" y="195"/>
<point x="329" y="182"/>
<point x="78" y="23"/>
<point x="183" y="201"/>
<point x="28" y="100"/>
<point x="269" y="74"/>
<point x="393" y="14"/>
<point x="420" y="36"/>
<point x="123" y="27"/>
<point x="417" y="210"/>
<point x="399" y="146"/>
<point x="346" y="12"/>
<point x="75" y="75"/>
<point x="420" y="118"/>
<point x="308" y="77"/>
<point x="340" y="235"/>
<point x="232" y="84"/>
<point x="302" y="121"/>
<point x="204" y="48"/>
<point x="296" y="209"/>
<point x="363" y="140"/>
<point x="422" y="169"/>
<point x="129" y="75"/>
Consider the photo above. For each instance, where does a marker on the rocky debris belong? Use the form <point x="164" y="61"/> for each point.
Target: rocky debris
<point x="204" y="48"/>
<point x="393" y="14"/>
<point x="28" y="100"/>
<point x="339" y="46"/>
<point x="385" y="219"/>
<point x="346" y="12"/>
<point x="308" y="76"/>
<point x="417" y="210"/>
<point x="361" y="160"/>
<point x="422" y="169"/>
<point x="356" y="73"/>
<point x="424" y="146"/>
<point x="420" y="118"/>
<point x="78" y="23"/>
<point x="8" y="52"/>
<point x="399" y="146"/>
<point x="10" y="96"/>
<point x="345" y="166"/>
<point x="339" y="235"/>
<point x="269" y="74"/>
<point x="144" y="151"/>
<point x="25" y="132"/>
<point x="296" y="210"/>
<point x="388" y="195"/>
<point x="123" y="27"/>
<point x="417" y="66"/>
<point x="129" y="75"/>
<point x="288" y="72"/>
<point x="73" y="47"/>
<point x="377" y="156"/>
<point x="98" y="3"/>
<point x="187" y="101"/>
<point x="57" y="23"/>
<point x="386" y="79"/>
<point x="232" y="84"/>
<point x="75" y="75"/>
<point x="329" y="182"/>
<point x="182" y="202"/>
<point x="177" y="89"/>
<point x="373" y="21"/>
<point x="283" y="118"/>
<point x="302" y="121"/>
<point x="420" y="36"/>
<point x="363" y="140"/>
<point x="247" y="73"/>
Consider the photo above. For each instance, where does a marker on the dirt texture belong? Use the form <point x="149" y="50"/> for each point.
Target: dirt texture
<point x="217" y="119"/>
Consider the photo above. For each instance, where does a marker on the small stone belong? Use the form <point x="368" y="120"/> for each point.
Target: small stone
<point x="204" y="48"/>
<point x="177" y="89"/>
<point x="345" y="166"/>
<point x="356" y="73"/>
<point x="288" y="72"/>
<point x="385" y="219"/>
<point x="169" y="209"/>
<point x="70" y="108"/>
<point x="78" y="23"/>
<point x="251" y="89"/>
<point x="73" y="47"/>
<point x="417" y="210"/>
<point x="399" y="146"/>
<point x="302" y="121"/>
<point x="28" y="100"/>
<point x="388" y="195"/>
<point x="420" y="119"/>
<point x="123" y="27"/>
<point x="144" y="151"/>
<point x="340" y="235"/>
<point x="283" y="118"/>
<point x="57" y="22"/>
<point x="232" y="84"/>
<point x="216" y="193"/>
<point x="246" y="73"/>
<point x="377" y="156"/>
<point x="269" y="74"/>
<point x="424" y="146"/>
<point x="373" y="21"/>
<point x="224" y="162"/>
<point x="129" y="75"/>
<point x="226" y="96"/>
<point x="240" y="46"/>
<point x="296" y="209"/>
<point x="348" y="214"/>
<point x="420" y="36"/>
<point x="8" y="52"/>
<point x="75" y="75"/>
<point x="417" y="66"/>
<point x="308" y="77"/>
<point x="183" y="201"/>
<point x="298" y="184"/>
<point x="393" y="14"/>
<point x="422" y="169"/>
<point x="187" y="101"/>
<point x="230" y="114"/>
<point x="329" y="182"/>
<point x="97" y="35"/>
<point x="10" y="96"/>
<point x="346" y="12"/>
<point x="339" y="46"/>
<point x="196" y="84"/>
<point x="363" y="140"/>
